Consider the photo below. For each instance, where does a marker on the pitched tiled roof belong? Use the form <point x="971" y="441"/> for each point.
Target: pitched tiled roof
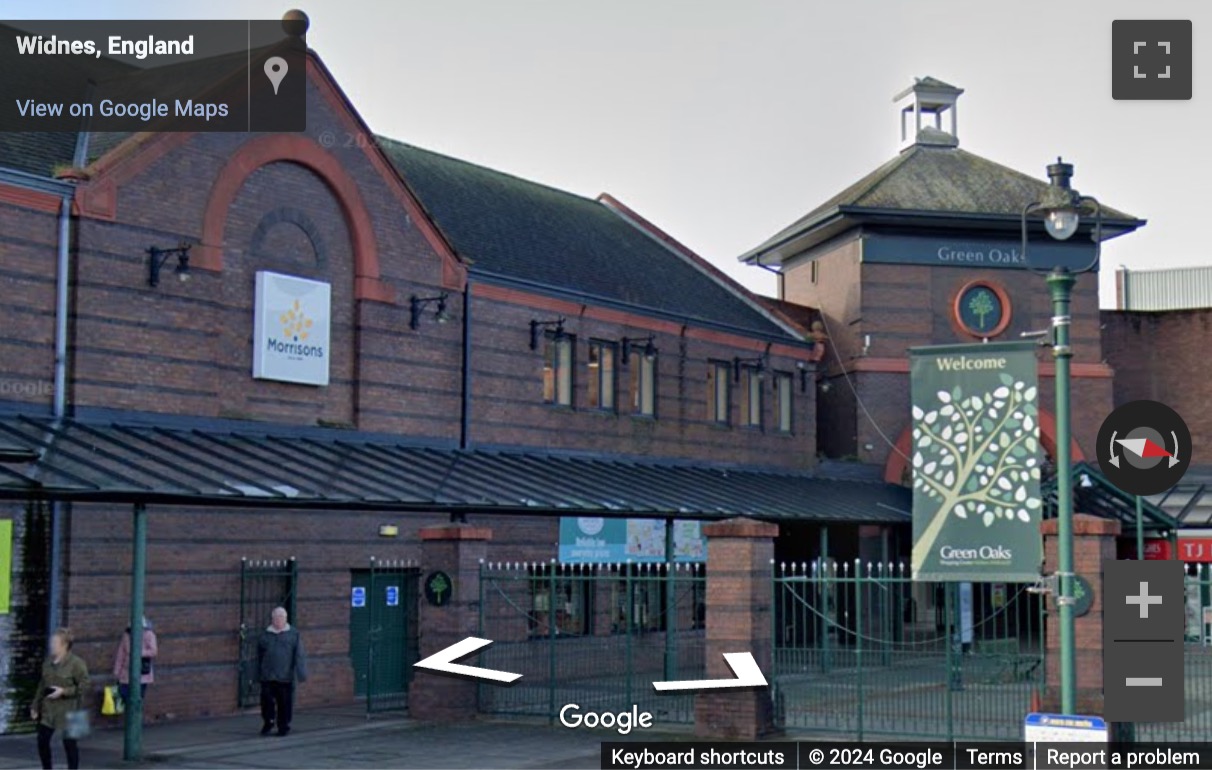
<point x="505" y="227"/>
<point x="932" y="177"/>
<point x="525" y="231"/>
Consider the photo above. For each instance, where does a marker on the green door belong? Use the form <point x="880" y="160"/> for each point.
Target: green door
<point x="383" y="635"/>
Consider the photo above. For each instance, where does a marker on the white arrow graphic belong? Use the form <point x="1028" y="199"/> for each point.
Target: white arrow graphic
<point x="742" y="664"/>
<point x="1174" y="457"/>
<point x="1114" y="459"/>
<point x="442" y="662"/>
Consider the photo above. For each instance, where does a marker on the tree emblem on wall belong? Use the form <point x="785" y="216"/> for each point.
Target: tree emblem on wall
<point x="976" y="455"/>
<point x="982" y="309"/>
<point x="981" y="304"/>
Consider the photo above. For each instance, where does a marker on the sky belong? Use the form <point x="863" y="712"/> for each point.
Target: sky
<point x="722" y="122"/>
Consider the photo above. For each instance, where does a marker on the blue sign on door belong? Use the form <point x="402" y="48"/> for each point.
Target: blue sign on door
<point x="393" y="596"/>
<point x="358" y="597"/>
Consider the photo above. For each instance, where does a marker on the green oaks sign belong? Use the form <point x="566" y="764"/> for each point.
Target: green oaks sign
<point x="975" y="252"/>
<point x="976" y="462"/>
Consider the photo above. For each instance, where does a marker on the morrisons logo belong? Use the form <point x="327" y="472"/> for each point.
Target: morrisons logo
<point x="293" y="348"/>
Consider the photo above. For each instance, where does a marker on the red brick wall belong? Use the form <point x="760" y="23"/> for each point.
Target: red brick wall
<point x="185" y="349"/>
<point x="193" y="589"/>
<point x="508" y="408"/>
<point x="1164" y="357"/>
<point x="908" y="305"/>
<point x="902" y="306"/>
<point x="28" y="252"/>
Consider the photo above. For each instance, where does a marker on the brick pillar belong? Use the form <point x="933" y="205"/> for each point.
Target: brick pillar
<point x="739" y="553"/>
<point x="1093" y="544"/>
<point x="457" y="550"/>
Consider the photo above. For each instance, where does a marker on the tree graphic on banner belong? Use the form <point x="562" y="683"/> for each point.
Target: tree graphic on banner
<point x="977" y="456"/>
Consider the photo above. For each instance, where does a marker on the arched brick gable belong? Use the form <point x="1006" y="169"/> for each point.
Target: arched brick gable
<point x="288" y="148"/>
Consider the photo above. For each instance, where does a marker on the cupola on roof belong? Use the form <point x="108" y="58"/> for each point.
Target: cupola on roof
<point x="931" y="184"/>
<point x="929" y="98"/>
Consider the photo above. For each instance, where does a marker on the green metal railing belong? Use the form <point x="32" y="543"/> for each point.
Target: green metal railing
<point x="593" y="635"/>
<point x="1197" y="724"/>
<point x="862" y="649"/>
<point x="264" y="585"/>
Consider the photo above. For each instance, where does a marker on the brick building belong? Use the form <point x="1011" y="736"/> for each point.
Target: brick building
<point x="497" y="352"/>
<point x="893" y="262"/>
<point x="1156" y="339"/>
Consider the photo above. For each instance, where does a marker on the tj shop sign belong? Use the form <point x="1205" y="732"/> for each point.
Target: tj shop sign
<point x="1190" y="549"/>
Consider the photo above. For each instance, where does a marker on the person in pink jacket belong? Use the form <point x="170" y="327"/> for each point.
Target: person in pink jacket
<point x="122" y="661"/>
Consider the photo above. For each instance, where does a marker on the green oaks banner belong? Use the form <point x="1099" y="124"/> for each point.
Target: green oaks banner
<point x="976" y="462"/>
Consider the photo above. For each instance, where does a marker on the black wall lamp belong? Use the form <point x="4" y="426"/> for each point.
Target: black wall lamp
<point x="535" y="326"/>
<point x="645" y="344"/>
<point x="758" y="363"/>
<point x="157" y="257"/>
<point x="417" y="305"/>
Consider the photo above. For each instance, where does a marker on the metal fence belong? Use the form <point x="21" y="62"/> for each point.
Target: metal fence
<point x="264" y="585"/>
<point x="863" y="650"/>
<point x="594" y="635"/>
<point x="1197" y="724"/>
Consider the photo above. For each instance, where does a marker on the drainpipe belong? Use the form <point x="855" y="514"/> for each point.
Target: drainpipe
<point x="54" y="609"/>
<point x="465" y="413"/>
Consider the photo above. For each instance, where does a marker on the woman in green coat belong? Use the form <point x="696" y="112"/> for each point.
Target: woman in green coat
<point x="63" y="689"/>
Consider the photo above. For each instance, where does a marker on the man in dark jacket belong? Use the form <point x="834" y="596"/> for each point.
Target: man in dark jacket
<point x="280" y="662"/>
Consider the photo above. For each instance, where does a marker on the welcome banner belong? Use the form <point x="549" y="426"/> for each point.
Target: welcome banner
<point x="976" y="462"/>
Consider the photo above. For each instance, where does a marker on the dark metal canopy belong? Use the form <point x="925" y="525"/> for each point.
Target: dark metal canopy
<point x="151" y="461"/>
<point x="1093" y="493"/>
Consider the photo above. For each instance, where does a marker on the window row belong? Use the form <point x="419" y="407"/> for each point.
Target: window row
<point x="749" y="382"/>
<point x="559" y="362"/>
<point x="604" y="362"/>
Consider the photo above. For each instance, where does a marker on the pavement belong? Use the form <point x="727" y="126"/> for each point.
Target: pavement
<point x="340" y="738"/>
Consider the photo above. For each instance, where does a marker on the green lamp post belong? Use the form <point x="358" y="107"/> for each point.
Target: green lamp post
<point x="1062" y="209"/>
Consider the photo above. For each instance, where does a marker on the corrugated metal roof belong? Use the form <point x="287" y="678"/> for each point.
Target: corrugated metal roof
<point x="1094" y="494"/>
<point x="1176" y="288"/>
<point x="258" y="466"/>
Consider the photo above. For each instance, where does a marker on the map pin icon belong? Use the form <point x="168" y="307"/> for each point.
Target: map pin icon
<point x="275" y="70"/>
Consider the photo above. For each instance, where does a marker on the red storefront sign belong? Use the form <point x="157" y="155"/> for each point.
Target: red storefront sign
<point x="1157" y="550"/>
<point x="1190" y="549"/>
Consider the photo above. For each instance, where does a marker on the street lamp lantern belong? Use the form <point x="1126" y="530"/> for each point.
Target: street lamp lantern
<point x="1060" y="202"/>
<point x="1062" y="209"/>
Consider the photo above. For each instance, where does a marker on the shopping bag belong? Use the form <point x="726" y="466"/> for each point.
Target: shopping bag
<point x="111" y="701"/>
<point x="77" y="726"/>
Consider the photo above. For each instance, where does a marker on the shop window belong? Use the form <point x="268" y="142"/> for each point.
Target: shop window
<point x="557" y="369"/>
<point x="783" y="395"/>
<point x="643" y="385"/>
<point x="647" y="600"/>
<point x="751" y="396"/>
<point x="567" y="601"/>
<point x="602" y="375"/>
<point x="717" y="391"/>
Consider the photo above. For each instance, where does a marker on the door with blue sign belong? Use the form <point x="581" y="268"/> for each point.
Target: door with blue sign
<point x="383" y="634"/>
